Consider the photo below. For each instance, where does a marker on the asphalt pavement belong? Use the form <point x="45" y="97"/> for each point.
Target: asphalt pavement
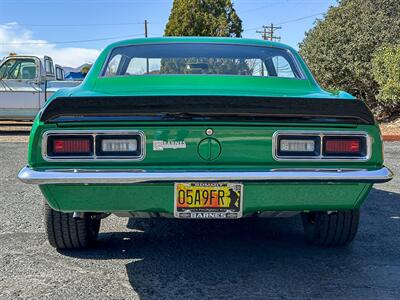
<point x="176" y="259"/>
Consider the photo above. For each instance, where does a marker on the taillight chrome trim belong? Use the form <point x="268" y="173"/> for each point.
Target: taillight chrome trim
<point x="321" y="135"/>
<point x="93" y="134"/>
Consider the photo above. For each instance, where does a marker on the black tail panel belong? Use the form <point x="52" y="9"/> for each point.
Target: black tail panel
<point x="206" y="108"/>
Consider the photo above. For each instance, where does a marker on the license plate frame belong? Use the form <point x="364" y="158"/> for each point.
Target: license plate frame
<point x="215" y="212"/>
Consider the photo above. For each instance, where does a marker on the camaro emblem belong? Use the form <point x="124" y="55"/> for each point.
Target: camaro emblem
<point x="161" y="145"/>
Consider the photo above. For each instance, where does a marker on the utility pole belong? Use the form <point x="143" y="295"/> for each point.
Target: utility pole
<point x="263" y="33"/>
<point x="268" y="32"/>
<point x="264" y="37"/>
<point x="145" y="28"/>
<point x="146" y="35"/>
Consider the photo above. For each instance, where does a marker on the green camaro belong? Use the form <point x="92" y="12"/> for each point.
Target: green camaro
<point x="203" y="128"/>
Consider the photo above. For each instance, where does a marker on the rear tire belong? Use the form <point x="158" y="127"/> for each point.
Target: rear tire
<point x="331" y="229"/>
<point x="65" y="232"/>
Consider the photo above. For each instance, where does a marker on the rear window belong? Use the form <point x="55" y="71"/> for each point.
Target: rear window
<point x="201" y="59"/>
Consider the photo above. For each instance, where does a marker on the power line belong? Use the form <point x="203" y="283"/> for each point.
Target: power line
<point x="299" y="19"/>
<point x="76" y="41"/>
<point x="87" y="1"/>
<point x="278" y="2"/>
<point x="261" y="7"/>
<point x="288" y="21"/>
<point x="253" y="28"/>
<point x="79" y="25"/>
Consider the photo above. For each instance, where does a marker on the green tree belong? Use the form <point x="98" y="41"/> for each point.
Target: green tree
<point x="203" y="18"/>
<point x="340" y="48"/>
<point x="386" y="71"/>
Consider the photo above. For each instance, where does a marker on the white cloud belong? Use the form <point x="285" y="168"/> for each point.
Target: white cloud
<point x="14" y="38"/>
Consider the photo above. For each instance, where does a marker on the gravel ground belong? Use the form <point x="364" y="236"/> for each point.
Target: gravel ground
<point x="169" y="259"/>
<point x="14" y="131"/>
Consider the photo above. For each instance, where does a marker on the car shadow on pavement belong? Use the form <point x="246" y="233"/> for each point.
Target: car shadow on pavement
<point x="256" y="258"/>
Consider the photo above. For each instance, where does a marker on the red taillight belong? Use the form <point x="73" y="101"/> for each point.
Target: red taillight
<point x="345" y="146"/>
<point x="71" y="146"/>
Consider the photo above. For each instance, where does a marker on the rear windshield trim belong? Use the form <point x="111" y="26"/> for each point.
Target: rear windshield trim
<point x="296" y="62"/>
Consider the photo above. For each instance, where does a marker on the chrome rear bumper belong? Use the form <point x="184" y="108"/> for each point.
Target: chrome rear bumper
<point x="79" y="176"/>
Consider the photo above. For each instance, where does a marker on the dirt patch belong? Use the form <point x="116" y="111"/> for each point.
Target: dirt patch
<point x="391" y="131"/>
<point x="14" y="131"/>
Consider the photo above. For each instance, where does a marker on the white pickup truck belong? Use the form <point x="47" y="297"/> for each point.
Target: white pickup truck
<point x="26" y="82"/>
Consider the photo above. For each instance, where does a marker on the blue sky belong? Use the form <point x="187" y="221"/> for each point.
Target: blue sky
<point x="26" y="25"/>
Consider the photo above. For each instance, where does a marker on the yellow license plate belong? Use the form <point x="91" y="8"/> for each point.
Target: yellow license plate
<point x="208" y="200"/>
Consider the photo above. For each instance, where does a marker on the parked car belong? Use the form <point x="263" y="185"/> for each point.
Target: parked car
<point x="26" y="82"/>
<point x="203" y="128"/>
